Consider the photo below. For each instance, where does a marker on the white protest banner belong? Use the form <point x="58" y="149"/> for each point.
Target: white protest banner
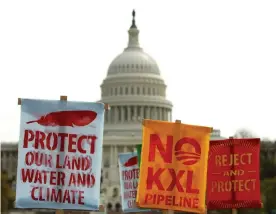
<point x="129" y="175"/>
<point x="59" y="155"/>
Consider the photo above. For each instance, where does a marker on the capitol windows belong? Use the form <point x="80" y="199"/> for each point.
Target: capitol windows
<point x="121" y="90"/>
<point x="132" y="112"/>
<point x="149" y="91"/>
<point x="115" y="91"/>
<point x="138" y="90"/>
<point x="126" y="90"/>
<point x="106" y="175"/>
<point x="117" y="207"/>
<point x="144" y="90"/>
<point x="120" y="113"/>
<point x="139" y="111"/>
<point x="153" y="91"/>
<point x="132" y="90"/>
<point x="115" y="193"/>
<point x="109" y="206"/>
<point x="125" y="112"/>
<point x="106" y="163"/>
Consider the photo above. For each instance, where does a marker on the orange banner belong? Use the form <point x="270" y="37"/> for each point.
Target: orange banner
<point x="173" y="166"/>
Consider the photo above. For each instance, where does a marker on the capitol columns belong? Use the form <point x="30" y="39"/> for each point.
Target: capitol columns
<point x="142" y="109"/>
<point x="155" y="112"/>
<point x="109" y="116"/>
<point x="116" y="154"/>
<point x="166" y="114"/>
<point x="122" y="109"/>
<point x="135" y="113"/>
<point x="128" y="113"/>
<point x="111" y="156"/>
<point x="116" y="113"/>
<point x="147" y="112"/>
<point x="163" y="114"/>
<point x="125" y="149"/>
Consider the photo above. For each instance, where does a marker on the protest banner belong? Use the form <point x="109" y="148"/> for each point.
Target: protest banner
<point x="173" y="168"/>
<point x="59" y="155"/>
<point x="129" y="176"/>
<point x="233" y="174"/>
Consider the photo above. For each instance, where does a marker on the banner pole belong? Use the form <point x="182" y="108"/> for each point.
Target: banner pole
<point x="61" y="98"/>
<point x="234" y="211"/>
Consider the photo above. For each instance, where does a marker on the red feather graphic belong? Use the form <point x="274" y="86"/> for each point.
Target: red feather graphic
<point x="66" y="118"/>
<point x="131" y="161"/>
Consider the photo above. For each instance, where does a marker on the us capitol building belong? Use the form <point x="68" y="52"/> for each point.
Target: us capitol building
<point x="135" y="90"/>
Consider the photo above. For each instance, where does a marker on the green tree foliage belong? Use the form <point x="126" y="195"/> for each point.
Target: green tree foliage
<point x="269" y="190"/>
<point x="4" y="191"/>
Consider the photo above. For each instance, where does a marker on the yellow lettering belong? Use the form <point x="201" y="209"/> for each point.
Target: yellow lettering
<point x="236" y="172"/>
<point x="226" y="173"/>
<point x="224" y="160"/>
<point x="246" y="185"/>
<point x="214" y="186"/>
<point x="241" y="186"/>
<point x="249" y="158"/>
<point x="233" y="172"/>
<point x="246" y="158"/>
<point x="234" y="185"/>
<point x="220" y="186"/>
<point x="233" y="159"/>
<point x="218" y="160"/>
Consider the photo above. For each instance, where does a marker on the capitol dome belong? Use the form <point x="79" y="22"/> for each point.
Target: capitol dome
<point x="134" y="88"/>
<point x="133" y="59"/>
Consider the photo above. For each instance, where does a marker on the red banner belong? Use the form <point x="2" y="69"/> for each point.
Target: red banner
<point x="234" y="174"/>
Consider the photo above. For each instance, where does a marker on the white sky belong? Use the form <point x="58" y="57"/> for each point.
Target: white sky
<point x="218" y="58"/>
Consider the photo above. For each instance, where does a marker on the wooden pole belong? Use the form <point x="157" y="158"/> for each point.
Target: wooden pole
<point x="61" y="98"/>
<point x="167" y="212"/>
<point x="59" y="211"/>
<point x="234" y="211"/>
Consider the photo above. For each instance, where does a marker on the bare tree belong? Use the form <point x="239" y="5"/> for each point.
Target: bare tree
<point x="243" y="133"/>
